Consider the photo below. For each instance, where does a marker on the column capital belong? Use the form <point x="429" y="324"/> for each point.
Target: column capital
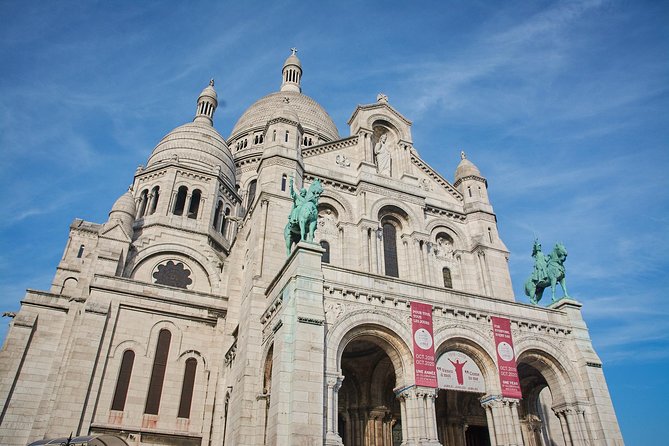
<point x="498" y="401"/>
<point x="422" y="392"/>
<point x="567" y="408"/>
<point x="334" y="381"/>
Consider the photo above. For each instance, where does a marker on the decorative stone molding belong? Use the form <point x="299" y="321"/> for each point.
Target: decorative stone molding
<point x="441" y="212"/>
<point x="329" y="147"/>
<point x="435" y="176"/>
<point x="310" y="321"/>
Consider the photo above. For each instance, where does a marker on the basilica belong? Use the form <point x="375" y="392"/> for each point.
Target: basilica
<point x="189" y="318"/>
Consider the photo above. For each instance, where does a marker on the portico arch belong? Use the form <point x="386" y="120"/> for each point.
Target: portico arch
<point x="461" y="420"/>
<point x="372" y="361"/>
<point x="551" y="411"/>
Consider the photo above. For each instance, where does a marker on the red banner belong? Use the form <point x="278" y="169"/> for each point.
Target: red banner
<point x="506" y="357"/>
<point x="425" y="368"/>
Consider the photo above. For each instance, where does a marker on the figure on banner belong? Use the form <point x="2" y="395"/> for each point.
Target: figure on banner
<point x="458" y="370"/>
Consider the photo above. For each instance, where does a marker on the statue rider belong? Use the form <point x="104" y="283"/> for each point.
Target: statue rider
<point x="540" y="262"/>
<point x="298" y="201"/>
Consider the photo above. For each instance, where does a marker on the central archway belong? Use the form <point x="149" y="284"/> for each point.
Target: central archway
<point x="369" y="413"/>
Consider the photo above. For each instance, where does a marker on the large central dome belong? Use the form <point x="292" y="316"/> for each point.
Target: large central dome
<point x="312" y="116"/>
<point x="314" y="119"/>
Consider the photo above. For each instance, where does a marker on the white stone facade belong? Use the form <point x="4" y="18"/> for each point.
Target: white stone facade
<point x="182" y="320"/>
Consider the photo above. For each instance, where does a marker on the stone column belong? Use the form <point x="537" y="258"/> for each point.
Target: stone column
<point x="531" y="426"/>
<point x="375" y="251"/>
<point x="380" y="252"/>
<point x="332" y="436"/>
<point x="189" y="197"/>
<point x="419" y="416"/>
<point x="564" y="425"/>
<point x="572" y="422"/>
<point x="503" y="420"/>
<point x="366" y="264"/>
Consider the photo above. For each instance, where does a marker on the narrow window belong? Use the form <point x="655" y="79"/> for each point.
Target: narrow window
<point x="469" y="189"/>
<point x="274" y="135"/>
<point x="326" y="255"/>
<point x="194" y="203"/>
<point x="252" y="194"/>
<point x="287" y="135"/>
<point x="480" y="192"/>
<point x="448" y="282"/>
<point x="262" y="138"/>
<point x="310" y="143"/>
<point x="283" y="182"/>
<point x="155" y="194"/>
<point x="217" y="214"/>
<point x="180" y="202"/>
<point x="390" y="249"/>
<point x="225" y="221"/>
<point x="123" y="381"/>
<point x="158" y="373"/>
<point x="143" y="198"/>
<point x="490" y="234"/>
<point x="187" y="388"/>
<point x="80" y="253"/>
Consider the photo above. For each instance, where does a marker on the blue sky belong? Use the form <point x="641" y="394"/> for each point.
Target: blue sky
<point x="562" y="105"/>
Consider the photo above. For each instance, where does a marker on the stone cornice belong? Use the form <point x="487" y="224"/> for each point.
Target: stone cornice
<point x="422" y="165"/>
<point x="330" y="146"/>
<point x="442" y="212"/>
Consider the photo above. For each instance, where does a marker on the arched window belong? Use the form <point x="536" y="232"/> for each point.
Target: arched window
<point x="187" y="388"/>
<point x="469" y="189"/>
<point x="284" y="177"/>
<point x="143" y="198"/>
<point x="155" y="194"/>
<point x="390" y="249"/>
<point x="448" y="281"/>
<point x="194" y="203"/>
<point x="326" y="255"/>
<point x="80" y="253"/>
<point x="180" y="202"/>
<point x="287" y="133"/>
<point x="274" y="135"/>
<point x="158" y="372"/>
<point x="123" y="381"/>
<point x="217" y="214"/>
<point x="252" y="194"/>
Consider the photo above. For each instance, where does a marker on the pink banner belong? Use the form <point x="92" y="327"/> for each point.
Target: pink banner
<point x="506" y="357"/>
<point x="423" y="345"/>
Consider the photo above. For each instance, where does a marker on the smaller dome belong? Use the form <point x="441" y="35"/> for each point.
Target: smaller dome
<point x="466" y="169"/>
<point x="198" y="145"/>
<point x="292" y="60"/>
<point x="209" y="91"/>
<point x="125" y="204"/>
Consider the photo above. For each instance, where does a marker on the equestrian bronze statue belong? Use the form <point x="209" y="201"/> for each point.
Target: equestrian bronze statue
<point x="548" y="271"/>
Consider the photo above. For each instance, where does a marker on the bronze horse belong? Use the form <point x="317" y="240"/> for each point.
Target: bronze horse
<point x="304" y="216"/>
<point x="552" y="274"/>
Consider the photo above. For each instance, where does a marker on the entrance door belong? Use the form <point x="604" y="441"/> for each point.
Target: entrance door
<point x="477" y="436"/>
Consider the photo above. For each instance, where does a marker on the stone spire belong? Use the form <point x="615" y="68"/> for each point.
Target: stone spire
<point x="292" y="73"/>
<point x="206" y="105"/>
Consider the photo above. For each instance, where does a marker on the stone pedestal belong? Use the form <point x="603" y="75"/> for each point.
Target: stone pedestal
<point x="296" y="411"/>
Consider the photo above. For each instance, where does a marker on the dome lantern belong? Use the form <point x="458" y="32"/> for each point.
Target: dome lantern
<point x="292" y="73"/>
<point x="206" y="104"/>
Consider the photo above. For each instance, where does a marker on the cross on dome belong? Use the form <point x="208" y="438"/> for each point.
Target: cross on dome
<point x="294" y="50"/>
